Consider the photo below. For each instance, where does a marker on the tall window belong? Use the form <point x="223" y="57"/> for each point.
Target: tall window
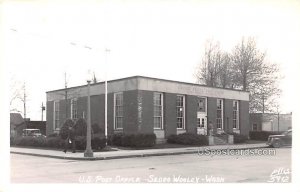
<point x="180" y="111"/>
<point x="118" y="110"/>
<point x="235" y="115"/>
<point x="201" y="105"/>
<point x="74" y="115"/>
<point x="56" y="114"/>
<point x="220" y="113"/>
<point x="158" y="110"/>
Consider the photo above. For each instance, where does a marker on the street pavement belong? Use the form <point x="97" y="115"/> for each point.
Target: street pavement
<point x="202" y="167"/>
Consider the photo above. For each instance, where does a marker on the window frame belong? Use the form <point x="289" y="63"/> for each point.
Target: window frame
<point x="183" y="112"/>
<point x="205" y="104"/>
<point x="236" y="120"/>
<point x="162" y="111"/>
<point x="222" y="115"/>
<point x="117" y="118"/>
<point x="74" y="110"/>
<point x="56" y="112"/>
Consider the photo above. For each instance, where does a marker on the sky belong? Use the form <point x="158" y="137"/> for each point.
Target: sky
<point x="164" y="39"/>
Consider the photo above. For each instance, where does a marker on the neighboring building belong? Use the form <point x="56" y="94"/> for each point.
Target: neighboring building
<point x="41" y="125"/>
<point x="269" y="121"/>
<point x="17" y="124"/>
<point x="149" y="105"/>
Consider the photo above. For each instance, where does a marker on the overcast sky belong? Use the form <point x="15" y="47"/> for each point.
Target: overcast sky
<point x="163" y="39"/>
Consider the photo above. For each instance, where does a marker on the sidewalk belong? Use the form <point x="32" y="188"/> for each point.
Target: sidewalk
<point x="128" y="153"/>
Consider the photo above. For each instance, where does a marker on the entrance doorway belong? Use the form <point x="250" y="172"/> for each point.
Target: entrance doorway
<point x="202" y="116"/>
<point x="201" y="124"/>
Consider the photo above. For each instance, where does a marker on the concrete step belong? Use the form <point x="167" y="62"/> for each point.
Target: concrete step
<point x="219" y="141"/>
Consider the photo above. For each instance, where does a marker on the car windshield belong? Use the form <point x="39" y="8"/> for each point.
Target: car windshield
<point x="31" y="132"/>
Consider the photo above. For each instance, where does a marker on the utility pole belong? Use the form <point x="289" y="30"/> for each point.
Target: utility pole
<point x="278" y="121"/>
<point x="24" y="101"/>
<point x="263" y="103"/>
<point x="106" y="66"/>
<point x="43" y="109"/>
<point x="88" y="151"/>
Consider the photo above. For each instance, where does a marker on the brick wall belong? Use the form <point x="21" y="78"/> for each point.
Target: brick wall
<point x="147" y="111"/>
<point x="212" y="112"/>
<point x="98" y="110"/>
<point x="49" y="117"/>
<point x="244" y="117"/>
<point x="191" y="114"/>
<point x="170" y="114"/>
<point x="228" y="115"/>
<point x="130" y="107"/>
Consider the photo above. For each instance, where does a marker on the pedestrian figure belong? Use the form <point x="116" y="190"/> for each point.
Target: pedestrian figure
<point x="70" y="140"/>
<point x="210" y="128"/>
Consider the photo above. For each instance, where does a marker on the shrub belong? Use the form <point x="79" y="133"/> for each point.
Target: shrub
<point x="63" y="133"/>
<point x="238" y="138"/>
<point x="80" y="127"/>
<point x="188" y="139"/>
<point x="143" y="140"/>
<point x="53" y="135"/>
<point x="133" y="140"/>
<point x="116" y="139"/>
<point x="96" y="143"/>
<point x="31" y="141"/>
<point x="262" y="135"/>
<point x="55" y="142"/>
<point x="128" y="141"/>
<point x="97" y="130"/>
<point x="80" y="142"/>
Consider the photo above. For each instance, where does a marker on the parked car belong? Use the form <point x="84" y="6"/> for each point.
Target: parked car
<point x="32" y="133"/>
<point x="285" y="139"/>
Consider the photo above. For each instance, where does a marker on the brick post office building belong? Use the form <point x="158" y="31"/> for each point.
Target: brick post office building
<point x="148" y="105"/>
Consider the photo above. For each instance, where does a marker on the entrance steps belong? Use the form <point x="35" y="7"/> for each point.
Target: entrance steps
<point x="220" y="141"/>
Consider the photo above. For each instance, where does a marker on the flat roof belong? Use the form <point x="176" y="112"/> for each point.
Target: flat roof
<point x="152" y="78"/>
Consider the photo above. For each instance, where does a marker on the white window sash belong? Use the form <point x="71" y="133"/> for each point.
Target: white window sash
<point x="162" y="111"/>
<point x="115" y="112"/>
<point x="183" y="112"/>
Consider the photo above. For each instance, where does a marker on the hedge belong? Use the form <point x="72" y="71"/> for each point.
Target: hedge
<point x="30" y="141"/>
<point x="133" y="140"/>
<point x="238" y="138"/>
<point x="188" y="139"/>
<point x="57" y="142"/>
<point x="96" y="143"/>
<point x="262" y="135"/>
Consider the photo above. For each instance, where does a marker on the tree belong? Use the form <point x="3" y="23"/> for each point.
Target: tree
<point x="244" y="68"/>
<point x="209" y="68"/>
<point x="80" y="127"/>
<point x="63" y="132"/>
<point x="254" y="74"/>
<point x="15" y="95"/>
<point x="215" y="70"/>
<point x="18" y="95"/>
<point x="226" y="75"/>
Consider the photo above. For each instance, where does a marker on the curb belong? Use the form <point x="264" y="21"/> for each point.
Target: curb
<point x="126" y="156"/>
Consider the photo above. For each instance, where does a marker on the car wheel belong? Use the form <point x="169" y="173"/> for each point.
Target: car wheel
<point x="277" y="144"/>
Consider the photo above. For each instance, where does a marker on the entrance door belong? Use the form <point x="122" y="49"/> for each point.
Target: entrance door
<point x="201" y="123"/>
